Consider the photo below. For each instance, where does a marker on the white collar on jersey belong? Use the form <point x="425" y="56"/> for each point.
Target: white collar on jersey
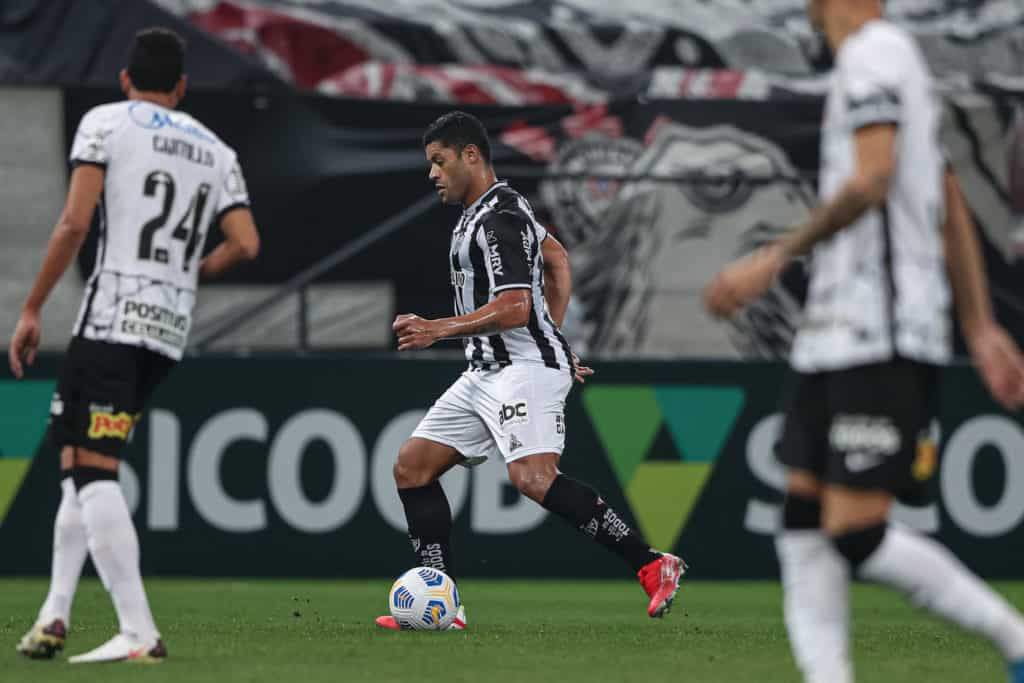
<point x="472" y="208"/>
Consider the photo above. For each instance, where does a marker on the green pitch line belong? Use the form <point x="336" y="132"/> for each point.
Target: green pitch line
<point x="570" y="632"/>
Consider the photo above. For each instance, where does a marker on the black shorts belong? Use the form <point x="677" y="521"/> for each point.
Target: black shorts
<point x="872" y="427"/>
<point x="101" y="391"/>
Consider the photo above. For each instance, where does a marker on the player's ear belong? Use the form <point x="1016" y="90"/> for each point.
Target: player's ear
<point x="181" y="87"/>
<point x="125" y="81"/>
<point x="471" y="154"/>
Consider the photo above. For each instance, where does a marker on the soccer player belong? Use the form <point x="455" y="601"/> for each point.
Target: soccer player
<point x="891" y="234"/>
<point x="511" y="284"/>
<point x="159" y="178"/>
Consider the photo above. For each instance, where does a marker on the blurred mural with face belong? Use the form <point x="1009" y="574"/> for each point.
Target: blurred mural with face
<point x="642" y="251"/>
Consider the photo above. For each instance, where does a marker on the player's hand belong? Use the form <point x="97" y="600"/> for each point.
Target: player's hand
<point x="580" y="372"/>
<point x="1000" y="364"/>
<point x="24" y="343"/>
<point x="742" y="281"/>
<point x="414" y="332"/>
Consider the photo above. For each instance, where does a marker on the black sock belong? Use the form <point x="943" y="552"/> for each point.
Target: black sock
<point x="580" y="505"/>
<point x="430" y="525"/>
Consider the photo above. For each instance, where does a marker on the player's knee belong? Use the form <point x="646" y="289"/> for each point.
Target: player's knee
<point x="532" y="482"/>
<point x="408" y="470"/>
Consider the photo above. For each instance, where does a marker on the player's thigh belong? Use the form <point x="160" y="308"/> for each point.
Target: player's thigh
<point x="524" y="409"/>
<point x="93" y="408"/>
<point x="882" y="430"/>
<point x="453" y="420"/>
<point x="803" y="445"/>
<point x="153" y="369"/>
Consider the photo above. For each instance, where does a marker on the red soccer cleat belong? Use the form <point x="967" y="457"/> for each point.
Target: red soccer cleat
<point x="459" y="624"/>
<point x="660" y="579"/>
<point x="388" y="622"/>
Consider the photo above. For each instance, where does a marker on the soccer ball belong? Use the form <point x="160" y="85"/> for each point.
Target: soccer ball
<point x="424" y="599"/>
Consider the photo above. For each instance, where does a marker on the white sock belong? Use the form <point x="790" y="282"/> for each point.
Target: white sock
<point x="69" y="552"/>
<point x="934" y="579"/>
<point x="816" y="604"/>
<point x="114" y="547"/>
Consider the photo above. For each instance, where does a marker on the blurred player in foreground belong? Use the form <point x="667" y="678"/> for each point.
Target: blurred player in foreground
<point x="159" y="178"/>
<point x="511" y="283"/>
<point x="893" y="231"/>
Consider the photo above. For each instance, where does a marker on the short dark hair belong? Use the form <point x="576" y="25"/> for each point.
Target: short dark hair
<point x="156" y="60"/>
<point x="456" y="129"/>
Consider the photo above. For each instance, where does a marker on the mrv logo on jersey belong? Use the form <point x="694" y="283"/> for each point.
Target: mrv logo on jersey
<point x="156" y="322"/>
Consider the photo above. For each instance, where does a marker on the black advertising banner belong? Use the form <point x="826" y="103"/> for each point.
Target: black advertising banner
<point x="282" y="467"/>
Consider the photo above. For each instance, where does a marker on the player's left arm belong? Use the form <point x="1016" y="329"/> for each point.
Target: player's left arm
<point x="996" y="355"/>
<point x="506" y="241"/>
<point x="241" y="243"/>
<point x="234" y="217"/>
<point x="557" y="278"/>
<point x="68" y="235"/>
<point x="509" y="309"/>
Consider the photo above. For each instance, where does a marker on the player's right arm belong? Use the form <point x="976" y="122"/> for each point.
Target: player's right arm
<point x="999" y="360"/>
<point x="557" y="278"/>
<point x="69" y="233"/>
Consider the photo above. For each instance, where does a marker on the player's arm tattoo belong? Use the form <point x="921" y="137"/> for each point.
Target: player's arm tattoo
<point x="868" y="187"/>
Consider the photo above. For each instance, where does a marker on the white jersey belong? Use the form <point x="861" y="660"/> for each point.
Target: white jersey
<point x="168" y="180"/>
<point x="878" y="287"/>
<point x="496" y="246"/>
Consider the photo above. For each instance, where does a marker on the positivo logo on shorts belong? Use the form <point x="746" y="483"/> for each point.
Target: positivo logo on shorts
<point x="661" y="441"/>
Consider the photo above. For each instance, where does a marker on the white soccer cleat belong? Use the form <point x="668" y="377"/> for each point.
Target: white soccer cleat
<point x="122" y="648"/>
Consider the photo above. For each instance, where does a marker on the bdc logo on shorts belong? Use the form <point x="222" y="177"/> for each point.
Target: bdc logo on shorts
<point x="513" y="413"/>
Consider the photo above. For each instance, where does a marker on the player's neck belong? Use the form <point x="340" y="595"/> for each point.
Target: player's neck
<point x="842" y="25"/>
<point x="481" y="184"/>
<point x="165" y="99"/>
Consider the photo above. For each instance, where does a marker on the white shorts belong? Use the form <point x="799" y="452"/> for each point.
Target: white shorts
<point x="518" y="410"/>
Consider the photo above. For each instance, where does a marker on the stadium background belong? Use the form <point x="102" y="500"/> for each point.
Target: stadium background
<point x="658" y="141"/>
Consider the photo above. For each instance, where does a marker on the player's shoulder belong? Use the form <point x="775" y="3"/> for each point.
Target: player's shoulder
<point x="105" y="115"/>
<point x="505" y="212"/>
<point x="878" y="41"/>
<point x="149" y="117"/>
<point x="506" y="204"/>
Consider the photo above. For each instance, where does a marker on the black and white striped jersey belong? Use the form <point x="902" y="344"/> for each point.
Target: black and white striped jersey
<point x="496" y="246"/>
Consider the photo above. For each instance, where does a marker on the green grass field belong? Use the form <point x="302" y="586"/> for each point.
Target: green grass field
<point x="313" y="631"/>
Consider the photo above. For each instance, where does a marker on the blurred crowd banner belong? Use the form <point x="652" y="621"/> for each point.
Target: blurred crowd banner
<point x="282" y="467"/>
<point x="551" y="51"/>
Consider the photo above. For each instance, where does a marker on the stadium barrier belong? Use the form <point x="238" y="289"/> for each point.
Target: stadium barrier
<point x="281" y="466"/>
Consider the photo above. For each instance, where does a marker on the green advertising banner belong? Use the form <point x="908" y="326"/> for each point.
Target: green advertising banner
<point x="281" y="466"/>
